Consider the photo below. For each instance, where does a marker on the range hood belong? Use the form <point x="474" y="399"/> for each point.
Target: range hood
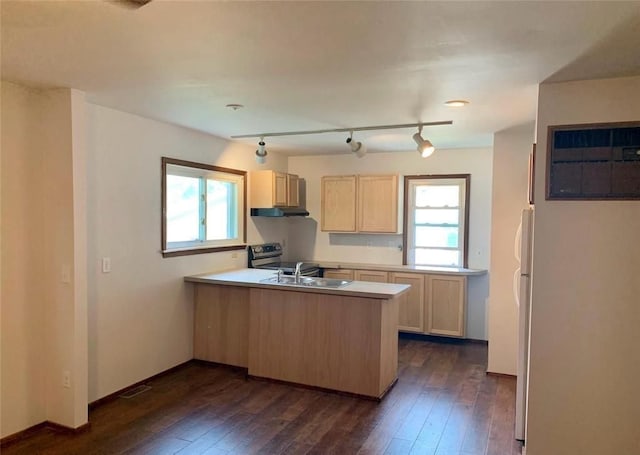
<point x="280" y="211"/>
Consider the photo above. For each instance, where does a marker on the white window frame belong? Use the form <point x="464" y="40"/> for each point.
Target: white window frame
<point x="205" y="172"/>
<point x="463" y="181"/>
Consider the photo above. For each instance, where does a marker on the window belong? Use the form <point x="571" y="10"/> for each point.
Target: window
<point x="203" y="208"/>
<point x="436" y="220"/>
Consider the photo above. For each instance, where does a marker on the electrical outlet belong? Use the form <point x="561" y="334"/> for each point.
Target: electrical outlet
<point x="234" y="255"/>
<point x="66" y="379"/>
<point x="106" y="265"/>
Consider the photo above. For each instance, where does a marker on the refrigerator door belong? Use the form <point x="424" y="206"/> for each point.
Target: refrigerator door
<point x="524" y="310"/>
<point x="523" y="357"/>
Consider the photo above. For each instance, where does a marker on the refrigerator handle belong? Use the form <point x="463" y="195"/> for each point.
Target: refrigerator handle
<point x="516" y="286"/>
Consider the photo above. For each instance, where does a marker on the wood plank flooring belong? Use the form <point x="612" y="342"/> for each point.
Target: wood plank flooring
<point x="442" y="404"/>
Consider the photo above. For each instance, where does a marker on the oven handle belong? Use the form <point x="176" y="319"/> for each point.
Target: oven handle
<point x="311" y="273"/>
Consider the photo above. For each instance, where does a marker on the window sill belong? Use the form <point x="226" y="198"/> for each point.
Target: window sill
<point x="200" y="250"/>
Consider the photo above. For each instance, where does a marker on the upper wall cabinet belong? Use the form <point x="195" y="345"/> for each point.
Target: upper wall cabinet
<point x="360" y="203"/>
<point x="377" y="203"/>
<point x="338" y="212"/>
<point x="594" y="161"/>
<point x="273" y="189"/>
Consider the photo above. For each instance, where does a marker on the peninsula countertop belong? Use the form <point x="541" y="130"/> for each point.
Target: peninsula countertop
<point x="253" y="278"/>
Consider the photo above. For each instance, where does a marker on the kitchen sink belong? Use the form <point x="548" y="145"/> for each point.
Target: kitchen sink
<point x="331" y="283"/>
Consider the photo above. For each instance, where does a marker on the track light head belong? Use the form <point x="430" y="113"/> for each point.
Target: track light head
<point x="261" y="153"/>
<point x="356" y="147"/>
<point x="425" y="147"/>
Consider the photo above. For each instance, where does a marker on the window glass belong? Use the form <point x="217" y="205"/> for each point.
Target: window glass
<point x="203" y="208"/>
<point x="436" y="236"/>
<point x="437" y="195"/>
<point x="221" y="203"/>
<point x="430" y="256"/>
<point x="437" y="216"/>
<point x="436" y="220"/>
<point x="183" y="206"/>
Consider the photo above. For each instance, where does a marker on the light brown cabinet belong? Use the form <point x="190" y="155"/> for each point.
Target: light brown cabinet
<point x="446" y="296"/>
<point x="375" y="276"/>
<point x="377" y="203"/>
<point x="273" y="189"/>
<point x="435" y="304"/>
<point x="338" y="211"/>
<point x="345" y="343"/>
<point x="360" y="203"/>
<point x="221" y="325"/>
<point x="411" y="305"/>
<point x="293" y="190"/>
<point x="340" y="274"/>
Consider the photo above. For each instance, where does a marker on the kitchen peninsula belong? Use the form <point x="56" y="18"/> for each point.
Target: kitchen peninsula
<point x="342" y="339"/>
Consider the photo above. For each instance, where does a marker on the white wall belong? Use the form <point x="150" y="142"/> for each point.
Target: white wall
<point x="141" y="314"/>
<point x="511" y="149"/>
<point x="44" y="306"/>
<point x="584" y="366"/>
<point x="310" y="243"/>
<point x="23" y="291"/>
<point x="81" y="182"/>
<point x="65" y="312"/>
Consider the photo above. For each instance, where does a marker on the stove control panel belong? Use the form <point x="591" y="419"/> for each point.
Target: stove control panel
<point x="265" y="250"/>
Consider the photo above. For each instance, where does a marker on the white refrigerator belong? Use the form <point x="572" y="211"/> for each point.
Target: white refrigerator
<point x="522" y="294"/>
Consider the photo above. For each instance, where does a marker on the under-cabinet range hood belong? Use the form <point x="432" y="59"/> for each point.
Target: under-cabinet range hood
<point x="280" y="211"/>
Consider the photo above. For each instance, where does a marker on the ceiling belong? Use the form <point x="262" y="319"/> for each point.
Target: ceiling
<point x="319" y="65"/>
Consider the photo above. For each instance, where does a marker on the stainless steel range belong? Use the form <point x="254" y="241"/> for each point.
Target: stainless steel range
<point x="267" y="256"/>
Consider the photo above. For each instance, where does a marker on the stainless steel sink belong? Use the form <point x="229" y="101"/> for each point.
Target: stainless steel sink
<point x="331" y="283"/>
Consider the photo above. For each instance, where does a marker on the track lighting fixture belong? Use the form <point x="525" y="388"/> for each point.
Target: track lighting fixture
<point x="425" y="147"/>
<point x="261" y="153"/>
<point x="356" y="147"/>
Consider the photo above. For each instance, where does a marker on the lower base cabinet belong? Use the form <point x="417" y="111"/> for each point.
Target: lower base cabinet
<point x="411" y="309"/>
<point x="446" y="297"/>
<point x="435" y="304"/>
<point x="340" y="274"/>
<point x="347" y="343"/>
<point x="221" y="325"/>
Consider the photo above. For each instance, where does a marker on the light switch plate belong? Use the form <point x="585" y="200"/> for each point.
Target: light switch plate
<point x="106" y="265"/>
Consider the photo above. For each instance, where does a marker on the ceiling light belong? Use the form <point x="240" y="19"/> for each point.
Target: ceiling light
<point x="234" y="106"/>
<point x="356" y="147"/>
<point x="425" y="147"/>
<point x="456" y="103"/>
<point x="261" y="153"/>
<point x="345" y="130"/>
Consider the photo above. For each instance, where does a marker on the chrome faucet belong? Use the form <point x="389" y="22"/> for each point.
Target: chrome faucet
<point x="296" y="274"/>
<point x="279" y="275"/>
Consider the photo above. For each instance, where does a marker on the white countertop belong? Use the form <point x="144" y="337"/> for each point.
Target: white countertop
<point x="401" y="268"/>
<point x="252" y="278"/>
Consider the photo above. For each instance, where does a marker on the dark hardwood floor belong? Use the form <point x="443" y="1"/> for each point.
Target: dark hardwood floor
<point x="442" y="404"/>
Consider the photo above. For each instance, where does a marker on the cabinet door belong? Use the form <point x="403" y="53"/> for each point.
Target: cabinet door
<point x="446" y="301"/>
<point x="340" y="274"/>
<point x="280" y="189"/>
<point x="338" y="203"/>
<point x="261" y="189"/>
<point x="293" y="190"/>
<point x="221" y="324"/>
<point x="378" y="203"/>
<point x="411" y="309"/>
<point x="375" y="276"/>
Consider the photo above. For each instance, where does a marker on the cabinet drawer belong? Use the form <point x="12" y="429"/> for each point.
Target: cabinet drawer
<point x="341" y="274"/>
